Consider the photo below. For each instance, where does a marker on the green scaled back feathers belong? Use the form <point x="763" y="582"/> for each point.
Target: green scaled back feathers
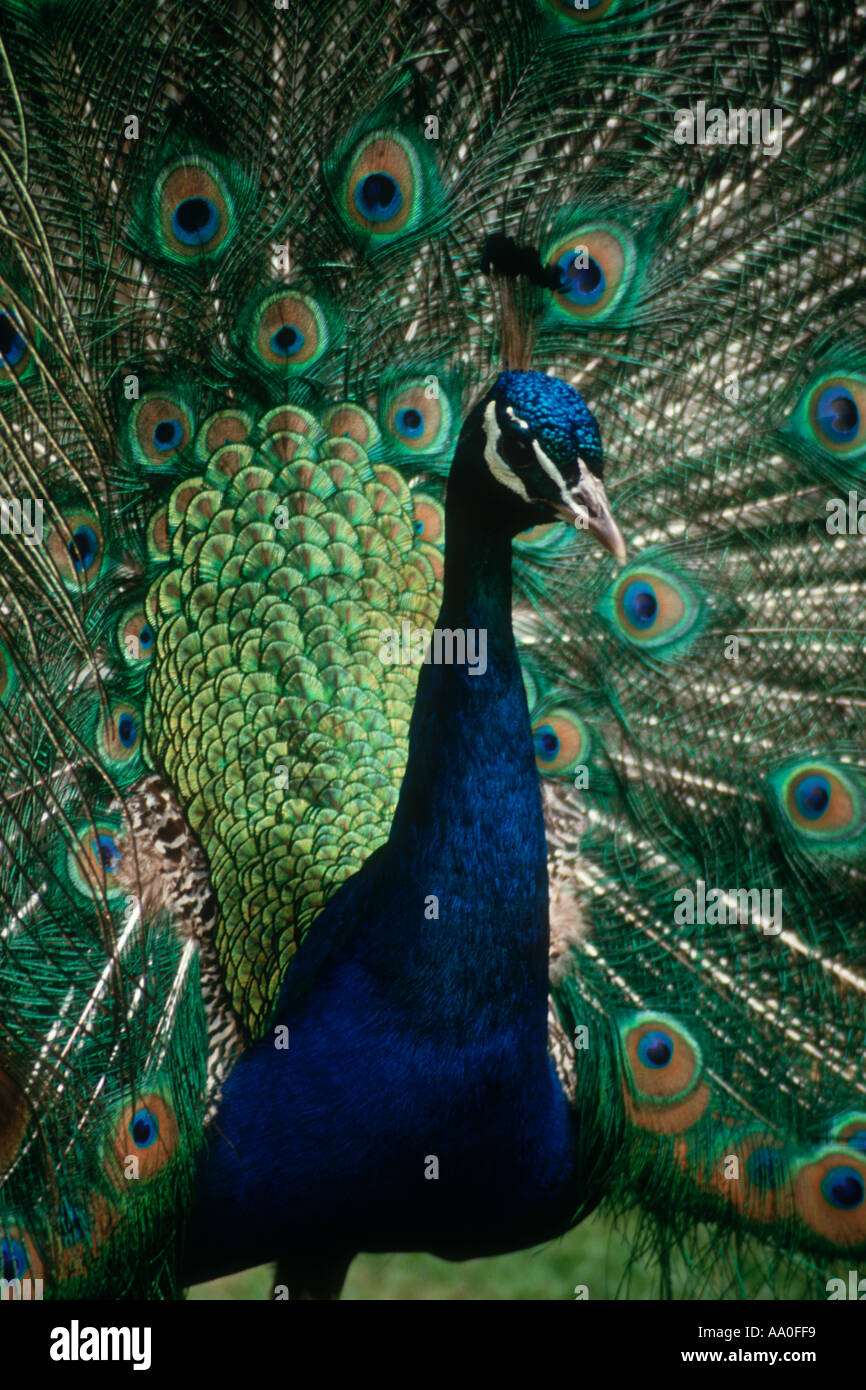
<point x="239" y="328"/>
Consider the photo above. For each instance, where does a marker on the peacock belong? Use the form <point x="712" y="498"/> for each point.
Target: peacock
<point x="431" y="636"/>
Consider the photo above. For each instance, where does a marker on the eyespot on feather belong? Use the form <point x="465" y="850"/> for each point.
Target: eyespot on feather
<point x="561" y="741"/>
<point x="597" y="263"/>
<point x="94" y="860"/>
<point x="663" y="1087"/>
<point x="119" y="735"/>
<point x="383" y="186"/>
<point x="77" y="548"/>
<point x="416" y="421"/>
<point x="822" y="801"/>
<point x="195" y="210"/>
<point x="830" y="1196"/>
<point x="136" y="637"/>
<point x="653" y="610"/>
<point x="762" y="1191"/>
<point x="290" y="332"/>
<point x="145" y="1129"/>
<point x="160" y="427"/>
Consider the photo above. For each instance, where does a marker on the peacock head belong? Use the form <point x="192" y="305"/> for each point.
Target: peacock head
<point x="535" y="450"/>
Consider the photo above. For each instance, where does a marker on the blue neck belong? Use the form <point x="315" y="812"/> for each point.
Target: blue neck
<point x="468" y="826"/>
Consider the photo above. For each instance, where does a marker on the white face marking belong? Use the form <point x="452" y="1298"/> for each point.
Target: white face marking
<point x="497" y="465"/>
<point x="593" y="498"/>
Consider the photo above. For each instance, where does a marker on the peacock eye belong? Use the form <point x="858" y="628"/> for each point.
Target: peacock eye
<point x="766" y="1167"/>
<point x="168" y="434"/>
<point x="663" y="1091"/>
<point x="561" y="741"/>
<point x="837" y="412"/>
<point x="150" y="1122"/>
<point x="656" y="1049"/>
<point x="195" y="221"/>
<point x="290" y="330"/>
<point x="378" y="197"/>
<point x="415" y="418"/>
<point x="119" y="736"/>
<point x="850" y="1129"/>
<point x="597" y="265"/>
<point x="78" y="550"/>
<point x="384" y="185"/>
<point x="843" y="1188"/>
<point x="83" y="548"/>
<point x="830" y="1196"/>
<point x="135" y="635"/>
<point x="831" y="416"/>
<point x="160" y="427"/>
<point x="144" y="1128"/>
<point x="106" y="852"/>
<point x="195" y="210"/>
<point x="409" y="422"/>
<point x="653" y="609"/>
<point x="639" y="604"/>
<point x="583" y="278"/>
<point x="94" y="860"/>
<point x="820" y="801"/>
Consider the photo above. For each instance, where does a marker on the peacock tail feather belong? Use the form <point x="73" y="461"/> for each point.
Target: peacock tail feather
<point x="241" y="319"/>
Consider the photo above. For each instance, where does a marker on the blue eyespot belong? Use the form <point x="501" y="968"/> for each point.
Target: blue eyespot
<point x="409" y="422"/>
<point x="144" y="1128"/>
<point x="145" y="638"/>
<point x="378" y="197"/>
<point x="842" y="1188"/>
<point x="195" y="221"/>
<point x="812" y="796"/>
<point x="857" y="1140"/>
<point x="12" y="344"/>
<point x="765" y="1167"/>
<point x="167" y="435"/>
<point x="287" y="341"/>
<point x="656" y="1049"/>
<point x="83" y="548"/>
<point x="105" y="850"/>
<point x="582" y="283"/>
<point x="837" y="415"/>
<point x="127" y="730"/>
<point x="546" y="742"/>
<point x="14" y="1262"/>
<point x="640" y="604"/>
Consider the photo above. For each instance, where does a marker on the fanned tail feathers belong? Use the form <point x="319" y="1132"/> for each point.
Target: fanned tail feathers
<point x="239" y="326"/>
